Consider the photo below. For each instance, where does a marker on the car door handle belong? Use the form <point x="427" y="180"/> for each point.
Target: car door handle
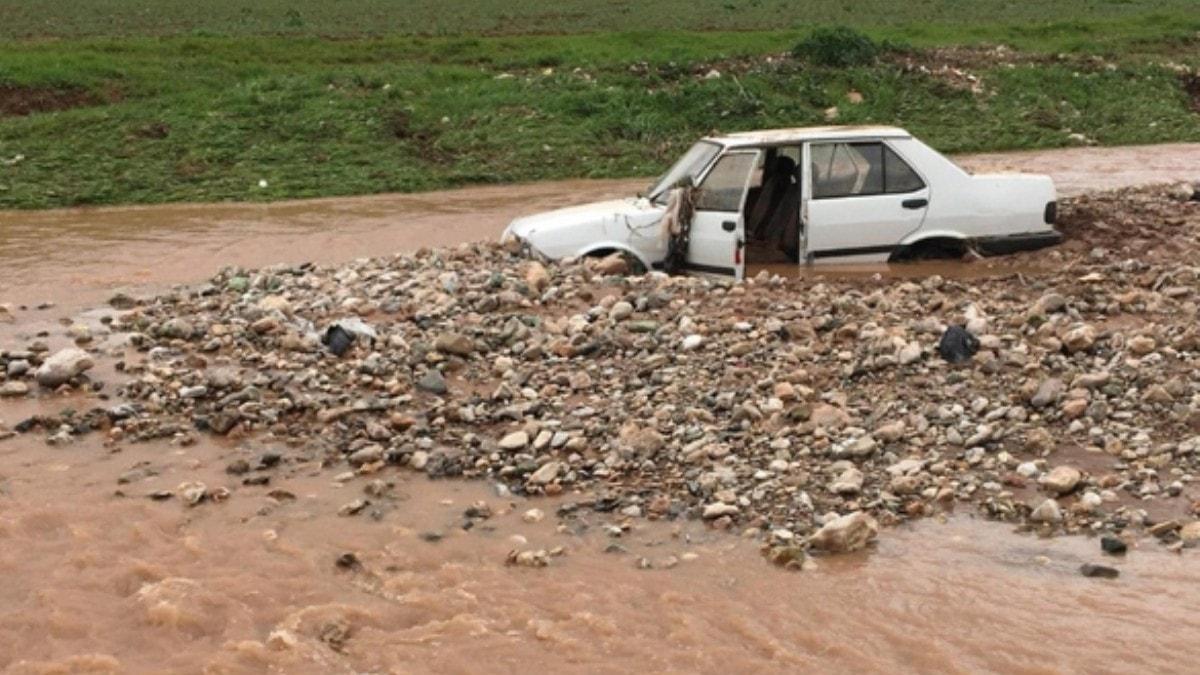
<point x="729" y="225"/>
<point x="914" y="203"/>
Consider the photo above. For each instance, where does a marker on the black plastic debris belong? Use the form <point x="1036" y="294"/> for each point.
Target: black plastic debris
<point x="958" y="345"/>
<point x="337" y="340"/>
<point x="341" y="334"/>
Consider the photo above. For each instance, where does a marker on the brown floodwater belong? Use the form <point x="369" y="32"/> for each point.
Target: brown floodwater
<point x="78" y="257"/>
<point x="97" y="577"/>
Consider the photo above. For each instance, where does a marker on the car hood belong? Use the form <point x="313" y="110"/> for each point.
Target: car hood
<point x="600" y="215"/>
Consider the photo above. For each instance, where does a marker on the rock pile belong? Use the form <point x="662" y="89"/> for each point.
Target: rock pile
<point x="809" y="411"/>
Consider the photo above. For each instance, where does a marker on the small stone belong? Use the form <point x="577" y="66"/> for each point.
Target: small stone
<point x="849" y="483"/>
<point x="1061" y="480"/>
<point x="846" y="533"/>
<point x="433" y="382"/>
<point x="692" y="342"/>
<point x="1048" y="392"/>
<point x="514" y="441"/>
<point x="533" y="516"/>
<point x="1047" y="512"/>
<point x="1113" y="545"/>
<point x="1094" y="571"/>
<point x="353" y="508"/>
<point x="454" y="343"/>
<point x="719" y="509"/>
<point x="545" y="473"/>
<point x="620" y="311"/>
<point x="13" y="389"/>
<point x="1142" y="345"/>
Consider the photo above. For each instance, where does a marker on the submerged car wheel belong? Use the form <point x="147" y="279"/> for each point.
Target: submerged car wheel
<point x="931" y="249"/>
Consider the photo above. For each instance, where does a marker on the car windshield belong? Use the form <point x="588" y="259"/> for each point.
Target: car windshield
<point x="692" y="163"/>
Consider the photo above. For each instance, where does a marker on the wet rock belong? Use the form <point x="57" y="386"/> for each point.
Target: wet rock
<point x="353" y="508"/>
<point x="13" y="389"/>
<point x="1047" y="512"/>
<point x="546" y="473"/>
<point x="846" y="533"/>
<point x="1113" y="545"/>
<point x="433" y="382"/>
<point x="1061" y="480"/>
<point x="454" y="343"/>
<point x="849" y="483"/>
<point x="514" y="441"/>
<point x="1048" y="393"/>
<point x="719" y="509"/>
<point x="62" y="366"/>
<point x="1079" y="338"/>
<point x="17" y="368"/>
<point x="1095" y="571"/>
<point x="1189" y="534"/>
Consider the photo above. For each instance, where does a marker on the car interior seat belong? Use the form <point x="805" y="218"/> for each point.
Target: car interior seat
<point x="779" y="179"/>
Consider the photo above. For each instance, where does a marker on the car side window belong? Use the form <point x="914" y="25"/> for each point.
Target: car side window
<point x="898" y="176"/>
<point x="725" y="185"/>
<point x="859" y="170"/>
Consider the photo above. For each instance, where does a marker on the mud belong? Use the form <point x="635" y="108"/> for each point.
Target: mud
<point x="78" y="257"/>
<point x="103" y="582"/>
<point x="98" y="577"/>
<point x="18" y="101"/>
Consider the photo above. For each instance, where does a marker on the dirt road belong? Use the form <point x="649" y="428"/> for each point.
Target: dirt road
<point x="80" y="256"/>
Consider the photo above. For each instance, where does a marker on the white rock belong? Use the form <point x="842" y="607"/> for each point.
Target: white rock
<point x="514" y="441"/>
<point x="692" y="342"/>
<point x="545" y="473"/>
<point x="1047" y="512"/>
<point x="846" y="533"/>
<point x="62" y="366"/>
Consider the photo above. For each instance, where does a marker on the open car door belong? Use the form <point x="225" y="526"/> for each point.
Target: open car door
<point x="718" y="232"/>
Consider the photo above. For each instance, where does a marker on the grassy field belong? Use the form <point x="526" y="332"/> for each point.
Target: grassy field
<point x="228" y="109"/>
<point x="345" y="18"/>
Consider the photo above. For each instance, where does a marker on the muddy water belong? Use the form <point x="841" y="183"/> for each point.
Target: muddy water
<point x="96" y="577"/>
<point x="77" y="257"/>
<point x="93" y="579"/>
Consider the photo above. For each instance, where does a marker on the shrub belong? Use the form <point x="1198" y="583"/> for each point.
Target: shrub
<point x="837" y="47"/>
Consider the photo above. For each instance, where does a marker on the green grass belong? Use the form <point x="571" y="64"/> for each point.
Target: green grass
<point x="207" y="117"/>
<point x="109" y="18"/>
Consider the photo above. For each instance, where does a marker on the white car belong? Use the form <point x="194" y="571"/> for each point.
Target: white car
<point x="811" y="195"/>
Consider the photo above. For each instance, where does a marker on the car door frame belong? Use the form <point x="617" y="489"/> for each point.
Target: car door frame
<point x="738" y="270"/>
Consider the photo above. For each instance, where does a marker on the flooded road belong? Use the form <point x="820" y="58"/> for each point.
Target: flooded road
<point x="99" y="577"/>
<point x="78" y="257"/>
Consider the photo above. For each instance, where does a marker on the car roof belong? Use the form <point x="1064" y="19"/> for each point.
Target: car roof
<point x="802" y="134"/>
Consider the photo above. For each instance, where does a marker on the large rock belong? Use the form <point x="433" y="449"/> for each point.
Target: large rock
<point x="847" y="533"/>
<point x="62" y="366"/>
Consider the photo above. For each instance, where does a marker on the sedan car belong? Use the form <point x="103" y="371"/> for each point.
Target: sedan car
<point x="810" y="195"/>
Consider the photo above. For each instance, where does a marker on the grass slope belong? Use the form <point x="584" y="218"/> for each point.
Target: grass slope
<point x="207" y="118"/>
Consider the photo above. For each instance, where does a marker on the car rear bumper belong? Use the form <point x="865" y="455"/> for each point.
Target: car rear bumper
<point x="1015" y="243"/>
